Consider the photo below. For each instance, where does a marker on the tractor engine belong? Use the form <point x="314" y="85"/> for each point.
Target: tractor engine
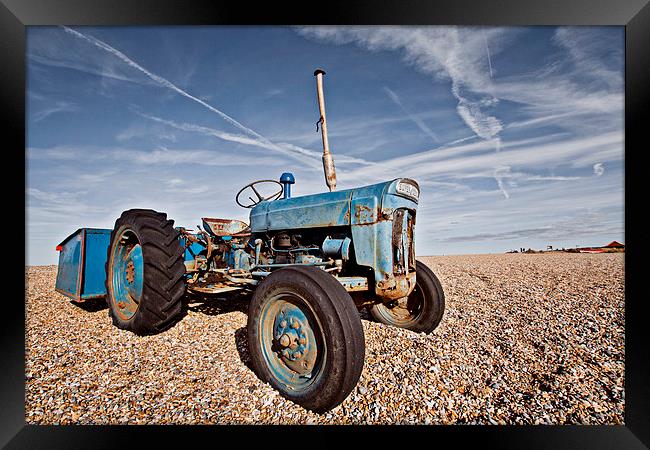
<point x="242" y="253"/>
<point x="315" y="247"/>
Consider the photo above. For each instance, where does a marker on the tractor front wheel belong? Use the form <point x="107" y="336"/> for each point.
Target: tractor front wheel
<point x="305" y="337"/>
<point x="421" y="311"/>
<point x="144" y="272"/>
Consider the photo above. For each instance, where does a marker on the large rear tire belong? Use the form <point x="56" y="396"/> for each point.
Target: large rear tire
<point x="144" y="272"/>
<point x="305" y="337"/>
<point x="421" y="311"/>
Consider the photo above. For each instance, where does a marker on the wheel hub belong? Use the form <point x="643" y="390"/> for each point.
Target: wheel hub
<point x="295" y="342"/>
<point x="127" y="274"/>
<point x="130" y="272"/>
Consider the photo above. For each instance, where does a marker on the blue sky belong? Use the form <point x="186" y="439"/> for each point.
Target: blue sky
<point x="515" y="134"/>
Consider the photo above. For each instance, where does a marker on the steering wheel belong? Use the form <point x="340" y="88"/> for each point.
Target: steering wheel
<point x="259" y="196"/>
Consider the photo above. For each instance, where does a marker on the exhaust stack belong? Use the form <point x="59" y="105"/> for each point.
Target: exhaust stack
<point x="328" y="161"/>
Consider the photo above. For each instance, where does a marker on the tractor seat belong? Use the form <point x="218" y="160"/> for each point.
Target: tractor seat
<point x="225" y="227"/>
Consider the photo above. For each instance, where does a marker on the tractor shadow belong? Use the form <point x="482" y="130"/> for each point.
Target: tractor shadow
<point x="223" y="304"/>
<point x="241" y="342"/>
<point x="212" y="305"/>
<point x="91" y="305"/>
<point x="365" y="315"/>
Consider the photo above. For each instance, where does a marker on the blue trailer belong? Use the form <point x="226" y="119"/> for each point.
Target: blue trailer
<point x="80" y="275"/>
<point x="310" y="263"/>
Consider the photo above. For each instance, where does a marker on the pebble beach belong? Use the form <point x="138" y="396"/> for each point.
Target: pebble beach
<point x="525" y="339"/>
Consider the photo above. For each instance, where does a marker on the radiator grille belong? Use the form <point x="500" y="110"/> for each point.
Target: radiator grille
<point x="403" y="241"/>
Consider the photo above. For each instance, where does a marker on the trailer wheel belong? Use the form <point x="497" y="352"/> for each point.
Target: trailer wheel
<point x="305" y="337"/>
<point x="144" y="272"/>
<point x="421" y="311"/>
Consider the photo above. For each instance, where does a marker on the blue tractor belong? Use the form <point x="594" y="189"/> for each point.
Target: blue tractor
<point x="311" y="263"/>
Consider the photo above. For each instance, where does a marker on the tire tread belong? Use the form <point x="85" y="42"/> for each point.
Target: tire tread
<point x="163" y="271"/>
<point x="434" y="304"/>
<point x="343" y="321"/>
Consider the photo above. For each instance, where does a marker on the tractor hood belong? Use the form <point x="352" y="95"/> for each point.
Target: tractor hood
<point x="359" y="206"/>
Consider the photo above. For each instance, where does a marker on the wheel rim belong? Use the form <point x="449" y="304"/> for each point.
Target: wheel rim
<point x="405" y="311"/>
<point x="127" y="275"/>
<point x="292" y="342"/>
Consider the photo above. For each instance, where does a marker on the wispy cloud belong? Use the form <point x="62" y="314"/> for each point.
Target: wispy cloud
<point x="171" y="157"/>
<point x="506" y="172"/>
<point x="139" y="131"/>
<point x="552" y="95"/>
<point x="581" y="92"/>
<point x="599" y="169"/>
<point x="455" y="162"/>
<point x="115" y="156"/>
<point x="457" y="54"/>
<point x="99" y="69"/>
<point x="587" y="223"/>
<point x="584" y="46"/>
<point x="273" y="93"/>
<point x="50" y="206"/>
<point x="454" y="53"/>
<point x="58" y="107"/>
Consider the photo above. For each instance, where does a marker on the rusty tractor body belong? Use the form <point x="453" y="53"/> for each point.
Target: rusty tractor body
<point x="305" y="260"/>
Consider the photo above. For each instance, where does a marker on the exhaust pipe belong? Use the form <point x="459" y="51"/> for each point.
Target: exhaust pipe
<point x="328" y="161"/>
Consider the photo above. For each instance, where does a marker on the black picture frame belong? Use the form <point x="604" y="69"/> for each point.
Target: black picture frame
<point x="15" y="15"/>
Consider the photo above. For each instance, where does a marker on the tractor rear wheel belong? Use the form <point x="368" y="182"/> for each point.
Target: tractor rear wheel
<point x="144" y="272"/>
<point x="305" y="337"/>
<point x="421" y="311"/>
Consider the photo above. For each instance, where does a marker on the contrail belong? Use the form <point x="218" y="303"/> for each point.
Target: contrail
<point x="499" y="179"/>
<point x="421" y="125"/>
<point x="260" y="141"/>
<point x="311" y="157"/>
<point x="487" y="49"/>
<point x="164" y="82"/>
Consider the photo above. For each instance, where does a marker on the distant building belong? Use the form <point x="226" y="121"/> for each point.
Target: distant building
<point x="613" y="246"/>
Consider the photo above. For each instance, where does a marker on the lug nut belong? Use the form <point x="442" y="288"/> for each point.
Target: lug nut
<point x="283" y="324"/>
<point x="294" y="324"/>
<point x="298" y="355"/>
<point x="302" y="341"/>
<point x="285" y="340"/>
